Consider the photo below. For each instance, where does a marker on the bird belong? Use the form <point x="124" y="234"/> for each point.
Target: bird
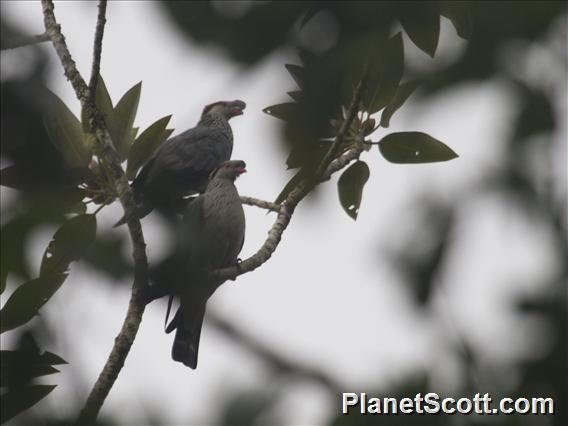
<point x="210" y="237"/>
<point x="181" y="166"/>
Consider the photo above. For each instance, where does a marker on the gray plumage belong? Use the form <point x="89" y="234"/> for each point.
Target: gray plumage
<point x="181" y="166"/>
<point x="211" y="237"/>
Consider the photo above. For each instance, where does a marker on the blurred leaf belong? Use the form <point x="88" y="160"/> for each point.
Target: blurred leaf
<point x="298" y="73"/>
<point x="66" y="133"/>
<point x="310" y="13"/>
<point x="459" y="13"/>
<point x="27" y="299"/>
<point x="69" y="243"/>
<point x="536" y="114"/>
<point x="124" y="114"/>
<point x="295" y="95"/>
<point x="421" y="21"/>
<point x="350" y="186"/>
<point x="287" y="111"/>
<point x="387" y="75"/>
<point x="21" y="366"/>
<point x="145" y="145"/>
<point x="414" y="147"/>
<point x="403" y="92"/>
<point x="297" y="178"/>
<point x="16" y="401"/>
<point x="106" y="255"/>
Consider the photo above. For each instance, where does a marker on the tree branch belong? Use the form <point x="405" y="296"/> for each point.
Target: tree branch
<point x="111" y="163"/>
<point x="21" y="41"/>
<point x="297" y="194"/>
<point x="268" y="205"/>
<point x="277" y="361"/>
<point x="97" y="50"/>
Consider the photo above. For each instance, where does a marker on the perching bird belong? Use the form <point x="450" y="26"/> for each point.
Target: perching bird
<point x="211" y="237"/>
<point x="181" y="166"/>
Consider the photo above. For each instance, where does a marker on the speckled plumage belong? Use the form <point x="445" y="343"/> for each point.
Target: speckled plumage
<point x="211" y="237"/>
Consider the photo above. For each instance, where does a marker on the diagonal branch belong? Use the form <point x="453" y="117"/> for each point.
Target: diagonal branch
<point x="268" y="205"/>
<point x="287" y="207"/>
<point x="111" y="163"/>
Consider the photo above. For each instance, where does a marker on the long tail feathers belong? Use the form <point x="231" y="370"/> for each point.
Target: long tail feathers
<point x="188" y="332"/>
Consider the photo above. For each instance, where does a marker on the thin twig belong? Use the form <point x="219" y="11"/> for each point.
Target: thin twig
<point x="296" y="195"/>
<point x="111" y="165"/>
<point x="97" y="50"/>
<point x="276" y="360"/>
<point x="21" y="41"/>
<point x="268" y="205"/>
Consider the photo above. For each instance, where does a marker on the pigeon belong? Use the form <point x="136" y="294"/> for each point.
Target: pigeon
<point x="181" y="166"/>
<point x="210" y="237"/>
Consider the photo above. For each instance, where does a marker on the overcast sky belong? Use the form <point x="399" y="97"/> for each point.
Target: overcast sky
<point x="327" y="297"/>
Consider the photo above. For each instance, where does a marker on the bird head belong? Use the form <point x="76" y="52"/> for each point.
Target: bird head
<point x="229" y="170"/>
<point x="226" y="109"/>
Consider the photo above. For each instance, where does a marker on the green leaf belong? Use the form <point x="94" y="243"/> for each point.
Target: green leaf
<point x="66" y="133"/>
<point x="21" y="366"/>
<point x="295" y="95"/>
<point x="460" y="14"/>
<point x="145" y="145"/>
<point x="421" y="21"/>
<point x="404" y="91"/>
<point x="105" y="107"/>
<point x="124" y="114"/>
<point x="69" y="243"/>
<point x="27" y="299"/>
<point x="290" y="186"/>
<point x="16" y="401"/>
<point x="286" y="111"/>
<point x="298" y="73"/>
<point x="414" y="147"/>
<point x="350" y="187"/>
<point x="388" y="73"/>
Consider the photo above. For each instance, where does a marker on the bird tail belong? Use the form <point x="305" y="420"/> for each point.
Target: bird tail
<point x="187" y="324"/>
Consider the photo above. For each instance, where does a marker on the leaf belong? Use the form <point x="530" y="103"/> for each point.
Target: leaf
<point x="389" y="72"/>
<point x="286" y="111"/>
<point x="21" y="366"/>
<point x="145" y="145"/>
<point x="290" y="186"/>
<point x="421" y="21"/>
<point x="27" y="299"/>
<point x="69" y="243"/>
<point x="66" y="133"/>
<point x="460" y="15"/>
<point x="105" y="107"/>
<point x="16" y="401"/>
<point x="298" y="73"/>
<point x="124" y="114"/>
<point x="414" y="147"/>
<point x="404" y="91"/>
<point x="350" y="187"/>
<point x="295" y="95"/>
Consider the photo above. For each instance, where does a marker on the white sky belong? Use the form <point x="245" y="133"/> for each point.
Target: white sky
<point x="327" y="297"/>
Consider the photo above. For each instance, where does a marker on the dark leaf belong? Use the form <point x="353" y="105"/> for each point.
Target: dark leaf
<point x="66" y="133"/>
<point x="460" y="14"/>
<point x="52" y="359"/>
<point x="350" y="187"/>
<point x="414" y="147"/>
<point x="536" y="114"/>
<point x="297" y="178"/>
<point x="287" y="111"/>
<point x="124" y="114"/>
<point x="16" y="401"/>
<point x="387" y="74"/>
<point x="421" y="21"/>
<point x="27" y="299"/>
<point x="69" y="243"/>
<point x="403" y="92"/>
<point x="145" y="145"/>
<point x="295" y="95"/>
<point x="298" y="73"/>
<point x="310" y="13"/>
<point x="21" y="366"/>
<point x="105" y="107"/>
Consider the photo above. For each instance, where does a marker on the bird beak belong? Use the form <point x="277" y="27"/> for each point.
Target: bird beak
<point x="241" y="170"/>
<point x="236" y="111"/>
